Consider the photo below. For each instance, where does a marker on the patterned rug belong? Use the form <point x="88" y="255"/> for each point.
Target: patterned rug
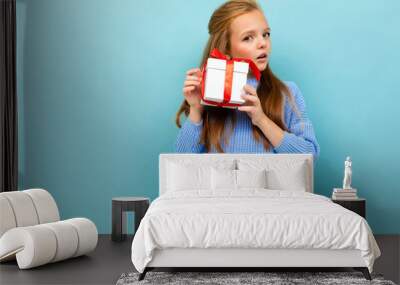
<point x="270" y="278"/>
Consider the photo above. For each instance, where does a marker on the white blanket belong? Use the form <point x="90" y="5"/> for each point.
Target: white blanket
<point x="252" y="218"/>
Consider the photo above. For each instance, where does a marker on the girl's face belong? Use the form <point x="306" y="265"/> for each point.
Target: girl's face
<point x="250" y="38"/>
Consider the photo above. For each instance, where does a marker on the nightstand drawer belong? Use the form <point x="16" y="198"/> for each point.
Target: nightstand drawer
<point x="357" y="206"/>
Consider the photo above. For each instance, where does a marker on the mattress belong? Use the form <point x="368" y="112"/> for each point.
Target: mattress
<point x="250" y="219"/>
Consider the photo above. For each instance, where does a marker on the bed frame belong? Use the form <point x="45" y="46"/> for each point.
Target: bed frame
<point x="242" y="259"/>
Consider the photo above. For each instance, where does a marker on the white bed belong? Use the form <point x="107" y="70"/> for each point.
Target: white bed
<point x="247" y="210"/>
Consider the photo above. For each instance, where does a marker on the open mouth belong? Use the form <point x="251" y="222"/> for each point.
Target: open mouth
<point x="262" y="56"/>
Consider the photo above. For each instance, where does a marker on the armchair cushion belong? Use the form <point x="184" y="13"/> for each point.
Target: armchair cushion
<point x="40" y="244"/>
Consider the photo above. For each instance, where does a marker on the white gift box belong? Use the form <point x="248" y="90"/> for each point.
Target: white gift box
<point x="215" y="81"/>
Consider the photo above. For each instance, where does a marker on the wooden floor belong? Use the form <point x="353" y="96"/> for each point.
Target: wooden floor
<point x="111" y="259"/>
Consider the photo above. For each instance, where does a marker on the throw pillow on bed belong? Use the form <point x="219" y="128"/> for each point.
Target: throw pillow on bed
<point x="281" y="174"/>
<point x="182" y="177"/>
<point x="251" y="178"/>
<point x="187" y="174"/>
<point x="226" y="179"/>
<point x="223" y="179"/>
<point x="294" y="178"/>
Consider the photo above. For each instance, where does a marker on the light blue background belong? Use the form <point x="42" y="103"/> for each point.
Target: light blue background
<point x="99" y="83"/>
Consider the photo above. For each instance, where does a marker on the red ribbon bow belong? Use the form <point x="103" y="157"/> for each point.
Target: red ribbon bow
<point x="215" y="53"/>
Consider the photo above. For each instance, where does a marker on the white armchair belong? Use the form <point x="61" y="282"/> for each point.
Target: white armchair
<point x="31" y="230"/>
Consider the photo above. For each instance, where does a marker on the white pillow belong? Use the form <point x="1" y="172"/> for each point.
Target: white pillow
<point x="193" y="174"/>
<point x="223" y="179"/>
<point x="294" y="178"/>
<point x="251" y="178"/>
<point x="282" y="174"/>
<point x="237" y="179"/>
<point x="183" y="177"/>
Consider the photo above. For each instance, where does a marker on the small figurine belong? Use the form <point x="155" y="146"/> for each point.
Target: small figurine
<point x="347" y="174"/>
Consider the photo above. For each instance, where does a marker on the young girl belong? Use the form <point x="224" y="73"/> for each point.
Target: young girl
<point x="273" y="117"/>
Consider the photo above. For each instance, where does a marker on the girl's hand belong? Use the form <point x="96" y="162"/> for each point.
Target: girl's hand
<point x="252" y="105"/>
<point x="192" y="89"/>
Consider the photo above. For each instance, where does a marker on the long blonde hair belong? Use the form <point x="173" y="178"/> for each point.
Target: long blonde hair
<point x="271" y="90"/>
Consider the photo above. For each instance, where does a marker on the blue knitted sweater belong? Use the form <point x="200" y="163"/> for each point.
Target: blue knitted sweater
<point x="300" y="137"/>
